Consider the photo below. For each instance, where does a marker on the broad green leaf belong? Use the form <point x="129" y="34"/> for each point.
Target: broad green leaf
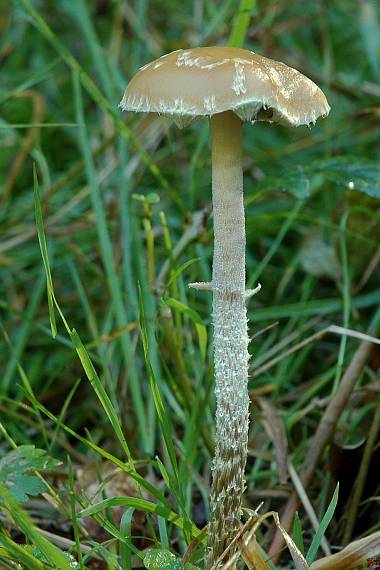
<point x="163" y="559"/>
<point x="16" y="469"/>
<point x="351" y="173"/>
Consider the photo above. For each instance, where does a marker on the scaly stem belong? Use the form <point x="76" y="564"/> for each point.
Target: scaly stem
<point x="230" y="334"/>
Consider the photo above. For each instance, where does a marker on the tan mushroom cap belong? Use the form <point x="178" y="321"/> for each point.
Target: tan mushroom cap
<point x="188" y="84"/>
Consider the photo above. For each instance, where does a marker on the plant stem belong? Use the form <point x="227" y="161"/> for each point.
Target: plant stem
<point x="230" y="334"/>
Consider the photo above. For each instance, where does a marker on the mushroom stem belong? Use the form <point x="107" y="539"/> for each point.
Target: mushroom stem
<point x="230" y="334"/>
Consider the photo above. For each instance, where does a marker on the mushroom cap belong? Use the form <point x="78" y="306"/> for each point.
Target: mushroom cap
<point x="188" y="84"/>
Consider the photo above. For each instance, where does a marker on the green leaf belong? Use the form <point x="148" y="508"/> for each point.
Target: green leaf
<point x="322" y="527"/>
<point x="15" y="468"/>
<point x="162" y="559"/>
<point x="151" y="198"/>
<point x="348" y="172"/>
<point x="351" y="173"/>
<point x="296" y="181"/>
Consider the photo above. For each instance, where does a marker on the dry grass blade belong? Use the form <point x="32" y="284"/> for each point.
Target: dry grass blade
<point x="335" y="329"/>
<point x="298" y="558"/>
<point x="354" y="555"/>
<point x="249" y="545"/>
<point x="252" y="556"/>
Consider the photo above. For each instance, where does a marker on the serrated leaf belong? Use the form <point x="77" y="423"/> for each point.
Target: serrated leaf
<point x="15" y="468"/>
<point x="351" y="173"/>
<point x="348" y="172"/>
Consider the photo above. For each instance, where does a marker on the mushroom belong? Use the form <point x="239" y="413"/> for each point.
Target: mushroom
<point x="229" y="85"/>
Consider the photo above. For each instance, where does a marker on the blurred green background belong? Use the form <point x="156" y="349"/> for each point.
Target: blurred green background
<point x="126" y="211"/>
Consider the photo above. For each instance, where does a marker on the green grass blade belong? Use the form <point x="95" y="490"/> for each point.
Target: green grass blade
<point x="91" y="88"/>
<point x="44" y="253"/>
<point x="145" y="506"/>
<point x="20" y="554"/>
<point x="346" y="301"/>
<point x="80" y="11"/>
<point x="163" y="418"/>
<point x="76" y="341"/>
<point x="241" y="23"/>
<point x="312" y="552"/>
<point x="160" y="408"/>
<point x="162" y="529"/>
<point x="290" y="220"/>
<point x="99" y="389"/>
<point x="23" y="334"/>
<point x="105" y="454"/>
<point x="109" y="264"/>
<point x="126" y="530"/>
<point x="297" y="533"/>
<point x="74" y="516"/>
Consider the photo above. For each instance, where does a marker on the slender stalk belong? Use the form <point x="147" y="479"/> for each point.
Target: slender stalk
<point x="230" y="334"/>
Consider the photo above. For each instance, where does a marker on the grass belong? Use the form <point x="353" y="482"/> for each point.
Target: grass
<point x="106" y="353"/>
